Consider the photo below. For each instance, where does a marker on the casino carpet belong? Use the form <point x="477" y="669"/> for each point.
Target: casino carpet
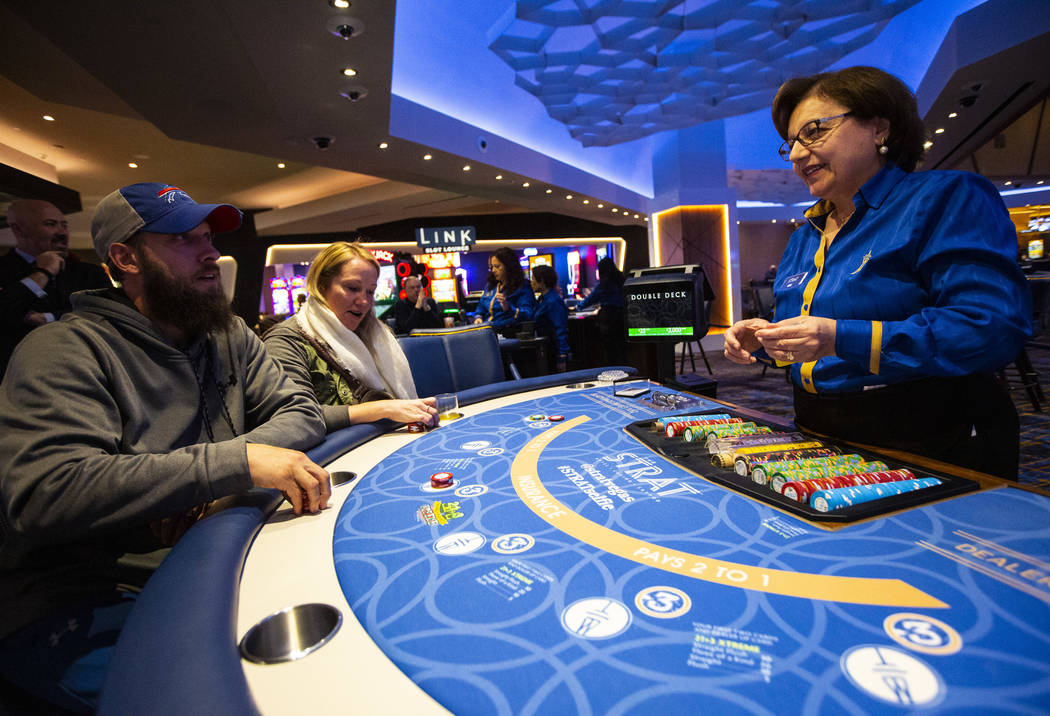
<point x="771" y="393"/>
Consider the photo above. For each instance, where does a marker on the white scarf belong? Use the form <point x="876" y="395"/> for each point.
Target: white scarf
<point x="380" y="363"/>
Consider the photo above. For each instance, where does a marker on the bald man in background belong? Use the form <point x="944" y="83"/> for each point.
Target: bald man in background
<point x="38" y="275"/>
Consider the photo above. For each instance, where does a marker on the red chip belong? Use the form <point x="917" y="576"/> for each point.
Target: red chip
<point x="555" y="418"/>
<point x="417" y="428"/>
<point x="441" y="479"/>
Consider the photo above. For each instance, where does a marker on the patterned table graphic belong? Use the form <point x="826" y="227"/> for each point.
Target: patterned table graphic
<point x="569" y="569"/>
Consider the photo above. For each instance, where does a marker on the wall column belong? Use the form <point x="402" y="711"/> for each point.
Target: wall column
<point x="693" y="215"/>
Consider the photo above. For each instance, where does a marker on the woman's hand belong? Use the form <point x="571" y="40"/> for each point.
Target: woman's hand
<point x="799" y="340"/>
<point x="502" y="299"/>
<point x="418" y="410"/>
<point x="740" y="340"/>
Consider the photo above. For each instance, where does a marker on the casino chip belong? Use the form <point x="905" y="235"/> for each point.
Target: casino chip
<point x="555" y="418"/>
<point x="441" y="480"/>
<point x="417" y="428"/>
<point x="534" y="418"/>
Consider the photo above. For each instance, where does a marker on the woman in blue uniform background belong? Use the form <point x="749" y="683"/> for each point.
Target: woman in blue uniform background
<point x="901" y="295"/>
<point x="508" y="299"/>
<point x="608" y="295"/>
<point x="551" y="315"/>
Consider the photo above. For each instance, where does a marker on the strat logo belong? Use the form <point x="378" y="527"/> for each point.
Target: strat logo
<point x="644" y="471"/>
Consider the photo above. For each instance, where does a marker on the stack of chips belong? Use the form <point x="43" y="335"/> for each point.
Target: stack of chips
<point x="676" y="428"/>
<point x="660" y="424"/>
<point x="837" y="499"/>
<point x="809" y="468"/>
<point x="802" y="490"/>
<point x="746" y="459"/>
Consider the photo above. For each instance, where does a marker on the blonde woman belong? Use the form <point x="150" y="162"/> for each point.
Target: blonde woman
<point x="337" y="347"/>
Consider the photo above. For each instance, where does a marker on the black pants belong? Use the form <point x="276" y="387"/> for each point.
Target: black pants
<point x="968" y="421"/>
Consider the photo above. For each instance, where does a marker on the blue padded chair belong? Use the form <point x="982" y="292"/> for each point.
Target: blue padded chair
<point x="454" y="359"/>
<point x="428" y="359"/>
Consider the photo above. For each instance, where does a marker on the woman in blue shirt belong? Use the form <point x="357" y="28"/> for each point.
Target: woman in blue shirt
<point x="508" y="299"/>
<point x="551" y="316"/>
<point x="901" y="296"/>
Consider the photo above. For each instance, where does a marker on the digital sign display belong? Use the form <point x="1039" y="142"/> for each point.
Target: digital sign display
<point x="665" y="304"/>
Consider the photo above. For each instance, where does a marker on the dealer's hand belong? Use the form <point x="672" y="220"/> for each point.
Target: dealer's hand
<point x="306" y="485"/>
<point x="799" y="340"/>
<point x="740" y="340"/>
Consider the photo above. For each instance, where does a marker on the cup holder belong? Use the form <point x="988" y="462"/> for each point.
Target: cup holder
<point x="342" y="477"/>
<point x="291" y="633"/>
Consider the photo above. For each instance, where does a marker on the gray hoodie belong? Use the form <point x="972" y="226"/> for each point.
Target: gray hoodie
<point x="102" y="431"/>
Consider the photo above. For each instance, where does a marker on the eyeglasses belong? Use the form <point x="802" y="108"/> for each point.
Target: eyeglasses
<point x="811" y="131"/>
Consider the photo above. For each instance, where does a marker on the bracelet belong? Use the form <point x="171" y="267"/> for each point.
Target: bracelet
<point x="42" y="270"/>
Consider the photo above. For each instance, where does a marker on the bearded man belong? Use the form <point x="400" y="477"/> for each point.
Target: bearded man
<point x="118" y="422"/>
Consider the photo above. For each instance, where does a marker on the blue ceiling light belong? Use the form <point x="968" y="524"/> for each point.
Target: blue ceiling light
<point x="617" y="70"/>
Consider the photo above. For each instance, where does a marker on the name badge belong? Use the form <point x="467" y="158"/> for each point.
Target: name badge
<point x="796" y="280"/>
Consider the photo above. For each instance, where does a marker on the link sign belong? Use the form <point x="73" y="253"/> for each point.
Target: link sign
<point x="451" y="238"/>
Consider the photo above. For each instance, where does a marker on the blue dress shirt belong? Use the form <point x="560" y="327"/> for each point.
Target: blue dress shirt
<point x="520" y="305"/>
<point x="922" y="281"/>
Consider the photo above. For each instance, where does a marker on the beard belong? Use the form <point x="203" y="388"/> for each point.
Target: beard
<point x="177" y="302"/>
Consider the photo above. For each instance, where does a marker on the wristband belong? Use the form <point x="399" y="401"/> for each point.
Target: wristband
<point x="42" y="270"/>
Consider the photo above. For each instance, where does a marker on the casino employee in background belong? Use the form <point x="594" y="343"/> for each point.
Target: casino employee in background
<point x="901" y="296"/>
<point x="416" y="309"/>
<point x="551" y="315"/>
<point x="119" y="422"/>
<point x="38" y="275"/>
<point x="507" y="300"/>
<point x="337" y="348"/>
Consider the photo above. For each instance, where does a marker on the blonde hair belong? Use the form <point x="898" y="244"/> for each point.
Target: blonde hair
<point x="328" y="264"/>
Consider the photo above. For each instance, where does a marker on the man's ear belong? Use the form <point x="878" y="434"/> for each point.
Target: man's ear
<point x="125" y="258"/>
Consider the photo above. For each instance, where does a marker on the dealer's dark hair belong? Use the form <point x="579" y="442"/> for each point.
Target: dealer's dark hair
<point x="545" y="275"/>
<point x="867" y="92"/>
<point x="513" y="275"/>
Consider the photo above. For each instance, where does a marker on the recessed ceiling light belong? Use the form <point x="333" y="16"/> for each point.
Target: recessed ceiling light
<point x="49" y="118"/>
<point x="953" y="115"/>
<point x="636" y="216"/>
<point x="133" y="165"/>
<point x="625" y="213"/>
<point x="927" y="145"/>
<point x="427" y="157"/>
<point x="1039" y="182"/>
<point x="341" y="4"/>
<point x="550" y="191"/>
<point x="647" y="219"/>
<point x="349" y="72"/>
<point x="466" y="167"/>
<point x="280" y="165"/>
<point x="939" y="130"/>
<point x="774" y="221"/>
<point x="499" y="177"/>
<point x="568" y="196"/>
<point x="615" y="210"/>
<point x="601" y="206"/>
<point x="383" y="145"/>
<point x="1007" y="183"/>
<point x="586" y="201"/>
<point x="525" y="185"/>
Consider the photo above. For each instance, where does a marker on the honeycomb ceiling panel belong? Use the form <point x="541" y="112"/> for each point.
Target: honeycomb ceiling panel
<point x="616" y="70"/>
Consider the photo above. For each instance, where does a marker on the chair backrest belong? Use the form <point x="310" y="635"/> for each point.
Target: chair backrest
<point x="762" y="291"/>
<point x="453" y="359"/>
